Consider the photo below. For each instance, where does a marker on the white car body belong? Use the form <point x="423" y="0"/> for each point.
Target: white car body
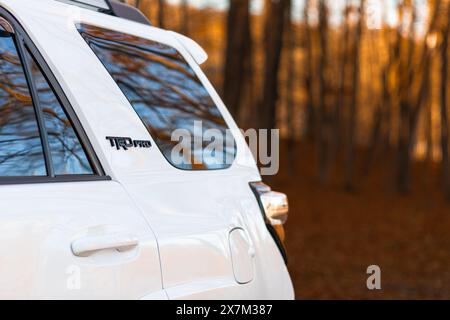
<point x="193" y="234"/>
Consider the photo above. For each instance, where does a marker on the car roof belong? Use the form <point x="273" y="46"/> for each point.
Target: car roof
<point x="96" y="5"/>
<point x="117" y="10"/>
<point x="111" y="7"/>
<point x="50" y="9"/>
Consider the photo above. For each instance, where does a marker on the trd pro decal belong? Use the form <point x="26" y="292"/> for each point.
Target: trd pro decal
<point x="126" y="143"/>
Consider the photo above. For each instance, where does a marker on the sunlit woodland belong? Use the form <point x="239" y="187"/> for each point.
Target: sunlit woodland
<point x="359" y="90"/>
<point x="356" y="82"/>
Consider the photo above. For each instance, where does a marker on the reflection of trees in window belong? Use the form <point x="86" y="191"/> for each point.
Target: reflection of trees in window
<point x="68" y="156"/>
<point x="21" y="151"/>
<point x="160" y="85"/>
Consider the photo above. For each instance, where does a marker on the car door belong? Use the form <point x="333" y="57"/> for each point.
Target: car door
<point x="67" y="230"/>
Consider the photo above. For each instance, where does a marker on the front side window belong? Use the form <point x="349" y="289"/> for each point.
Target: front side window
<point x="21" y="151"/>
<point x="168" y="97"/>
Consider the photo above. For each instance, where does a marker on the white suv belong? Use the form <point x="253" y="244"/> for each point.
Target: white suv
<point x="94" y="204"/>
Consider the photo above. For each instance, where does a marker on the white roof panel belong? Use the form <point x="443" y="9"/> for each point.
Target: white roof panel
<point x="98" y="4"/>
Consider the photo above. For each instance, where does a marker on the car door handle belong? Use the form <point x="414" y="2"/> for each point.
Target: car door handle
<point x="84" y="247"/>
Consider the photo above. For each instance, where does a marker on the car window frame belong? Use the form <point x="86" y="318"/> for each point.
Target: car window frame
<point x="23" y="42"/>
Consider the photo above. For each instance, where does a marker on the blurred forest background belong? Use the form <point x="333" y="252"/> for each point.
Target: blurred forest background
<point x="358" y="89"/>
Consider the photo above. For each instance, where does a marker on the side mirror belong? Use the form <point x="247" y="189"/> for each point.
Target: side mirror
<point x="196" y="51"/>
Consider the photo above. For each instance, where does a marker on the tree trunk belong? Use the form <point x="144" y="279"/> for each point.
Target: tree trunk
<point x="323" y="127"/>
<point x="273" y="36"/>
<point x="405" y="72"/>
<point x="184" y="17"/>
<point x="290" y="89"/>
<point x="429" y="120"/>
<point x="341" y="98"/>
<point x="350" y="152"/>
<point x="237" y="56"/>
<point x="161" y="13"/>
<point x="308" y="76"/>
<point x="444" y="108"/>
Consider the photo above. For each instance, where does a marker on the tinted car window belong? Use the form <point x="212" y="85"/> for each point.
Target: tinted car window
<point x="21" y="152"/>
<point x="167" y="95"/>
<point x="68" y="156"/>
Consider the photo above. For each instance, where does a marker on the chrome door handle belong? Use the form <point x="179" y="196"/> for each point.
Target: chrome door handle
<point x="84" y="247"/>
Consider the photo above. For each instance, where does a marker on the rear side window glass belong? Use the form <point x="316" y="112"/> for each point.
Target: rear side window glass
<point x="169" y="98"/>
<point x="67" y="153"/>
<point x="21" y="151"/>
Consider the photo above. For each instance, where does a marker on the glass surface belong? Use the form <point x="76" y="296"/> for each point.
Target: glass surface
<point x="168" y="96"/>
<point x="21" y="152"/>
<point x="67" y="153"/>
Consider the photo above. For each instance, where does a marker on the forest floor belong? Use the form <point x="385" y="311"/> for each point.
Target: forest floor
<point x="334" y="235"/>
